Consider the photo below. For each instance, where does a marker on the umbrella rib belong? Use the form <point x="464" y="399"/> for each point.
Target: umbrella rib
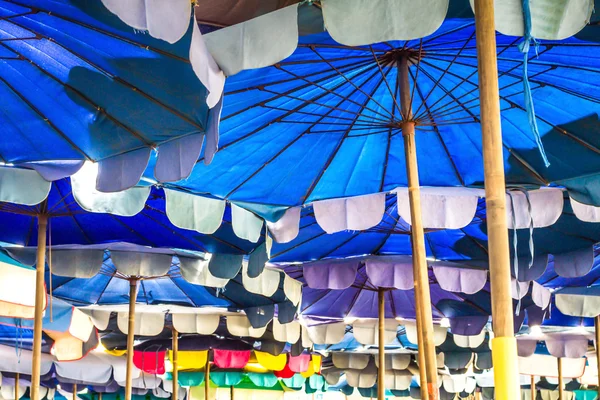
<point x="118" y="123"/>
<point x="387" y="84"/>
<point x="353" y="236"/>
<point x="334" y="152"/>
<point x="474" y="241"/>
<point x="288" y="145"/>
<point x="369" y="96"/>
<point x="438" y="81"/>
<point x="436" y="130"/>
<point x="332" y="92"/>
<point x="46" y="119"/>
<point x="74" y="219"/>
<point x="387" y="159"/>
<point x="105" y="33"/>
<point x="297" y="245"/>
<point x="463" y="80"/>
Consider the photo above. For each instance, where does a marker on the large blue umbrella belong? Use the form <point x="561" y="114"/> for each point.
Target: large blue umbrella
<point x="325" y="122"/>
<point x="79" y="84"/>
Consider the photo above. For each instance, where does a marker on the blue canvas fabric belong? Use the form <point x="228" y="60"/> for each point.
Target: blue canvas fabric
<point x="77" y="83"/>
<point x="324" y="122"/>
<point x="70" y="224"/>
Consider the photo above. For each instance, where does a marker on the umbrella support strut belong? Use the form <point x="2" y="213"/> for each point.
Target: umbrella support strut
<point x="381" y="346"/>
<point x="40" y="294"/>
<point x="561" y="387"/>
<point x="420" y="272"/>
<point x="130" y="335"/>
<point x="504" y="345"/>
<point x="597" y="332"/>
<point x="421" y="354"/>
<point x="206" y="375"/>
<point x="175" y="367"/>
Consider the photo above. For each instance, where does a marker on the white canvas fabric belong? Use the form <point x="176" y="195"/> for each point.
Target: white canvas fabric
<point x="91" y="369"/>
<point x="239" y="325"/>
<point x="443" y="208"/>
<point x="397" y="380"/>
<point x="305" y="337"/>
<point x="125" y="203"/>
<point x="21" y="363"/>
<point x="76" y="263"/>
<point x="585" y="212"/>
<point x="289" y="333"/>
<point x="578" y="305"/>
<point x="246" y="224"/>
<point x="196" y="271"/>
<point x="327" y="333"/>
<point x="192" y="212"/>
<point x="287" y="227"/>
<point x="363" y="22"/>
<point x="546" y="208"/>
<point x="17" y="291"/>
<point x="567" y="346"/>
<point x="250" y="44"/>
<point x="292" y="289"/>
<point x="347" y="360"/>
<point x="203" y="324"/>
<point x="397" y="362"/>
<point x="141" y="264"/>
<point x="365" y="378"/>
<point x="366" y="331"/>
<point x="146" y="324"/>
<point x="439" y="333"/>
<point x="470" y="341"/>
<point x="543" y="365"/>
<point x="575" y="263"/>
<point x="332" y="375"/>
<point x="119" y="366"/>
<point x="100" y="318"/>
<point x="352" y="213"/>
<point x="553" y="20"/>
<point x="265" y="284"/>
<point x="13" y="191"/>
<point x="540" y="295"/>
<point x="519" y="289"/>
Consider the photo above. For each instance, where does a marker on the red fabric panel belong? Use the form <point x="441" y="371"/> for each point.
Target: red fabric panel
<point x="285" y="373"/>
<point x="152" y="362"/>
<point x="231" y="358"/>
<point x="300" y="363"/>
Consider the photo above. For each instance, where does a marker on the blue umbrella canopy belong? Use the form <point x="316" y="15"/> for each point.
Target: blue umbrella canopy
<point x="79" y="84"/>
<point x="71" y="224"/>
<point x="325" y="122"/>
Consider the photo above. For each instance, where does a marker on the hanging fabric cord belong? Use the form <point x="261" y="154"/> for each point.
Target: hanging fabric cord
<point x="524" y="48"/>
<point x="516" y="240"/>
<point x="50" y="266"/>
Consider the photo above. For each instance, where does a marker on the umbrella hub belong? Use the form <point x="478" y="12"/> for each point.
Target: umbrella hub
<point x="393" y="57"/>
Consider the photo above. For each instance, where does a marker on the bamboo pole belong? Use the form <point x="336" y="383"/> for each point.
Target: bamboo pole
<point x="231" y="392"/>
<point x="100" y="396"/>
<point x="504" y="345"/>
<point x="421" y="278"/>
<point x="532" y="387"/>
<point x="597" y="331"/>
<point x="421" y="353"/>
<point x="381" y="370"/>
<point x="17" y="386"/>
<point x="130" y="335"/>
<point x="561" y="389"/>
<point x="74" y="391"/>
<point x="206" y="375"/>
<point x="40" y="294"/>
<point x="175" y="368"/>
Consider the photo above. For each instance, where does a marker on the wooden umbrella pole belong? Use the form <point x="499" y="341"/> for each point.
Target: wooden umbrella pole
<point x="532" y="387"/>
<point x="597" y="331"/>
<point x="381" y="344"/>
<point x="421" y="278"/>
<point x="231" y="392"/>
<point x="74" y="391"/>
<point x="504" y="345"/>
<point x="17" y="386"/>
<point x="175" y="367"/>
<point x="206" y="375"/>
<point x="561" y="388"/>
<point x="130" y="335"/>
<point x="421" y="353"/>
<point x="40" y="295"/>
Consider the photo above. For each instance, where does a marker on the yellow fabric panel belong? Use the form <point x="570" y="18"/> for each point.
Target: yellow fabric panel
<point x="66" y="347"/>
<point x="190" y="360"/>
<point x="273" y="363"/>
<point x="255" y="367"/>
<point x="197" y="392"/>
<point x="117" y="353"/>
<point x="314" y="366"/>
